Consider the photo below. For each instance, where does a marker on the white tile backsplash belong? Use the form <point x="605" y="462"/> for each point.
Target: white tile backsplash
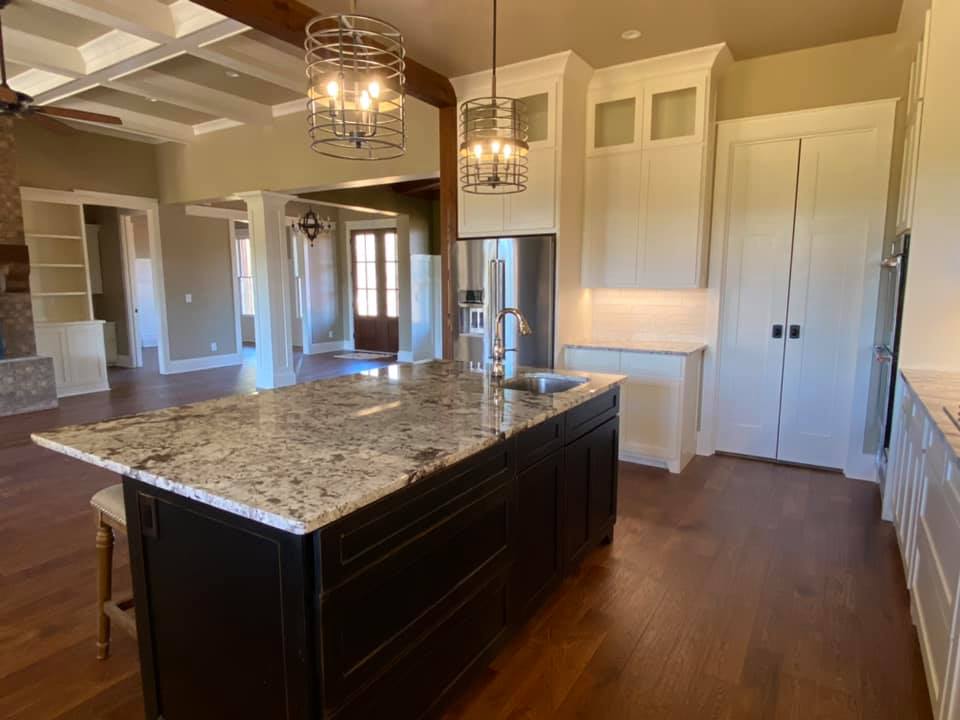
<point x="632" y="315"/>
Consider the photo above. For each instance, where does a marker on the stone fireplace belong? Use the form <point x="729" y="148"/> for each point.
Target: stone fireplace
<point x="27" y="380"/>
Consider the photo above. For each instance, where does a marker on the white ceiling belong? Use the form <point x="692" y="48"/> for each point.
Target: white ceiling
<point x="173" y="70"/>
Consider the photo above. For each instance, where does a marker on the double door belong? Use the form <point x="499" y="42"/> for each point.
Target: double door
<point x="376" y="293"/>
<point x="790" y="326"/>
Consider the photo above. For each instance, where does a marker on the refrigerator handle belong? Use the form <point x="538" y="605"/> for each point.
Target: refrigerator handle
<point x="492" y="305"/>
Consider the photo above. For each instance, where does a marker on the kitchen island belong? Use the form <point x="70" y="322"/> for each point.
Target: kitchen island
<point x="352" y="547"/>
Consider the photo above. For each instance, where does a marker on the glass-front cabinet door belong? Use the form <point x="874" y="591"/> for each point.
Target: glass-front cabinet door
<point x="614" y="118"/>
<point x="675" y="109"/>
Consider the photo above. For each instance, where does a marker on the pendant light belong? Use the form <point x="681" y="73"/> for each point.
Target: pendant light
<point x="355" y="101"/>
<point x="493" y="140"/>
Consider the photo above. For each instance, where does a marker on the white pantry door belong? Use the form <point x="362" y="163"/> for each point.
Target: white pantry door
<point x="761" y="210"/>
<point x="826" y="283"/>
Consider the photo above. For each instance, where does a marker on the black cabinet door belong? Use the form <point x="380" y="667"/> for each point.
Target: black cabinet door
<point x="537" y="562"/>
<point x="590" y="490"/>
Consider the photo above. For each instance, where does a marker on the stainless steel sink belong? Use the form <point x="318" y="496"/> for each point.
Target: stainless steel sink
<point x="543" y="383"/>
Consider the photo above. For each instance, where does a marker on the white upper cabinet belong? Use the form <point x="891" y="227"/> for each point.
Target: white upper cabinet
<point x="911" y="144"/>
<point x="649" y="158"/>
<point x="535" y="209"/>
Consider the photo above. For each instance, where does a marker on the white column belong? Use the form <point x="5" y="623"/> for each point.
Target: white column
<point x="271" y="281"/>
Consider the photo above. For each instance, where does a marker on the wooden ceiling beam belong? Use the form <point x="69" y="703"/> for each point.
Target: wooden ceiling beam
<point x="287" y="20"/>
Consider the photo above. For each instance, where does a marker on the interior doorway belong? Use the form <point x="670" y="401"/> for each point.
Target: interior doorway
<point x="141" y="294"/>
<point x="376" y="289"/>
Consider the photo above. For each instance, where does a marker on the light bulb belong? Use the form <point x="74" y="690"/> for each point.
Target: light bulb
<point x="507" y="150"/>
<point x="495" y="146"/>
<point x="374" y="88"/>
<point x="364" y="100"/>
<point x="478" y="150"/>
<point x="332" y="88"/>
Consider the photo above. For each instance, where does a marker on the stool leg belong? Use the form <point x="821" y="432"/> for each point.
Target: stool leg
<point x="104" y="584"/>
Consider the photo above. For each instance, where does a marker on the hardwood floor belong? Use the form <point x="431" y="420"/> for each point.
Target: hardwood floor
<point x="738" y="589"/>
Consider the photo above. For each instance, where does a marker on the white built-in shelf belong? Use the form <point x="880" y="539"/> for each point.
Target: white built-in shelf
<point x="57" y="265"/>
<point x="58" y="294"/>
<point x="48" y="236"/>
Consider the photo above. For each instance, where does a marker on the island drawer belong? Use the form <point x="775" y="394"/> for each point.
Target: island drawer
<point x="373" y="533"/>
<point x="591" y="414"/>
<point x="418" y="684"/>
<point x="538" y="442"/>
<point x="372" y="620"/>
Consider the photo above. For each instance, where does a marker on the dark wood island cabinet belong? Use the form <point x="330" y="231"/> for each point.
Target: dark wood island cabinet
<point x="384" y="609"/>
<point x="383" y="613"/>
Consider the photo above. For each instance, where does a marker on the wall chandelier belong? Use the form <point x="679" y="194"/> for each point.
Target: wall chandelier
<point x="312" y="226"/>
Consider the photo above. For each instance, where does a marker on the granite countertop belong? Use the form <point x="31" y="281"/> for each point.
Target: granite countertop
<point x="300" y="457"/>
<point x="657" y="347"/>
<point x="936" y="390"/>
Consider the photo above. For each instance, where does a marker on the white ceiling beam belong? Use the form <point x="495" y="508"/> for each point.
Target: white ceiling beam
<point x="150" y="83"/>
<point x="135" y="63"/>
<point x="136" y="122"/>
<point x="42" y="54"/>
<point x="112" y="48"/>
<point x="259" y="60"/>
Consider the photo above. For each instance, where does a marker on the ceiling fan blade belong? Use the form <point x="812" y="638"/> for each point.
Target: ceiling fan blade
<point x="51" y="124"/>
<point x="77" y="115"/>
<point x="8" y="95"/>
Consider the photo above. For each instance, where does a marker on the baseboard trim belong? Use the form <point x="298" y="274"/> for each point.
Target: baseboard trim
<point x="70" y="390"/>
<point x="208" y="362"/>
<point x="325" y="347"/>
<point x="632" y="456"/>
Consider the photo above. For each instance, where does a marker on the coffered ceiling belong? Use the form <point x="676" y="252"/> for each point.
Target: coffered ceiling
<point x="173" y="70"/>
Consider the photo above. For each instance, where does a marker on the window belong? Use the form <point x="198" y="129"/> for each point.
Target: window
<point x="391" y="267"/>
<point x="365" y="273"/>
<point x="244" y="267"/>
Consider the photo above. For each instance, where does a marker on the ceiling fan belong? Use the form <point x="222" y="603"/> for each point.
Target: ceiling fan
<point x="20" y="105"/>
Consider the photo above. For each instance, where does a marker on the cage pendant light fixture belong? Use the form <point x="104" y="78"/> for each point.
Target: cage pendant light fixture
<point x="357" y="87"/>
<point x="493" y="140"/>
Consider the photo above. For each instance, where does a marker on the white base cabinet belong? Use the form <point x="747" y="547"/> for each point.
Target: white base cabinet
<point x="659" y="403"/>
<point x="79" y="355"/>
<point x="923" y="489"/>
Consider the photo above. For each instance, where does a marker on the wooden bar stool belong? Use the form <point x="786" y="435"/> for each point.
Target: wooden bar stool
<point x="111" y="516"/>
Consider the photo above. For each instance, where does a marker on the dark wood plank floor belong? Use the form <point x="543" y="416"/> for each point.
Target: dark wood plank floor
<point x="738" y="589"/>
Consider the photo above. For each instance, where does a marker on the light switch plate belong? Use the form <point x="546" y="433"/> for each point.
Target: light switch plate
<point x="188" y="297"/>
<point x="213" y="346"/>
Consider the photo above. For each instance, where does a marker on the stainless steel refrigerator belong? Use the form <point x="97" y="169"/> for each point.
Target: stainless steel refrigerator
<point x="493" y="273"/>
<point x="893" y="278"/>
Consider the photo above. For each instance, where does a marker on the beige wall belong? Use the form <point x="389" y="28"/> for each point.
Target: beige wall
<point x="196" y="260"/>
<point x="84" y="161"/>
<point x="278" y="157"/>
<point x="869" y="69"/>
<point x="324" y="287"/>
<point x="111" y="304"/>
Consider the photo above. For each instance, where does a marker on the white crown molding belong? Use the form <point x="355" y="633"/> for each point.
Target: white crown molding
<point x="215" y="126"/>
<point x="135" y="122"/>
<point x="546" y="66"/>
<point x="34" y="82"/>
<point x="705" y="58"/>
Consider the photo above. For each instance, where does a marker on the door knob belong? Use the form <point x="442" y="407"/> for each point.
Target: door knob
<point x="794" y="332"/>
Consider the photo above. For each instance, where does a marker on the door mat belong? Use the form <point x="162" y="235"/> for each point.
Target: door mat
<point x="364" y="355"/>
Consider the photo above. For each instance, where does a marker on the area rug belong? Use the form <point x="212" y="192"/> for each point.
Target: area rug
<point x="364" y="355"/>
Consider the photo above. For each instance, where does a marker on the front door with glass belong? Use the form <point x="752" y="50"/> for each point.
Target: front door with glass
<point x="376" y="290"/>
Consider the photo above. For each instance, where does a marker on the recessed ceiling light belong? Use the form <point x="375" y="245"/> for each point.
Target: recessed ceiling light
<point x="232" y="74"/>
<point x="152" y="99"/>
<point x="631" y="34"/>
